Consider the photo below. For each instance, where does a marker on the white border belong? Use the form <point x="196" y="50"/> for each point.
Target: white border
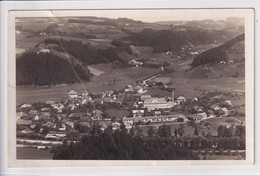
<point x="194" y="170"/>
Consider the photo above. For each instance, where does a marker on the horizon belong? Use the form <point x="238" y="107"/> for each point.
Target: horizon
<point x="149" y="16"/>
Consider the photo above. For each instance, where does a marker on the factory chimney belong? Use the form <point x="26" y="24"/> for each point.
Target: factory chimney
<point x="173" y="92"/>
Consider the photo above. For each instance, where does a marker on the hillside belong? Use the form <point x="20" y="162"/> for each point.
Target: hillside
<point x="226" y="60"/>
<point x="48" y="69"/>
<point x="220" y="53"/>
<point x="169" y="40"/>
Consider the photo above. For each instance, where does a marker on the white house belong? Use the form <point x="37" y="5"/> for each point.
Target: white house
<point x="44" y="51"/>
<point x="180" y="99"/>
<point x="72" y="94"/>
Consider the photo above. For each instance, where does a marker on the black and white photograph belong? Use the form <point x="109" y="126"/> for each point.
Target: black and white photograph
<point x="160" y="84"/>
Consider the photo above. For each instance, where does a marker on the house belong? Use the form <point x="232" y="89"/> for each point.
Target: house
<point x="144" y="97"/>
<point x="72" y="94"/>
<point x="228" y="102"/>
<point x="50" y="102"/>
<point x="45" y="115"/>
<point x="33" y="112"/>
<point x="135" y="63"/>
<point x="86" y="118"/>
<point x="103" y="125"/>
<point x="128" y="120"/>
<point x="203" y="115"/>
<point x="85" y="124"/>
<point x="75" y="116"/>
<point x="195" y="99"/>
<point x="116" y="125"/>
<point x="27" y="131"/>
<point x="70" y="124"/>
<point x="59" y="107"/>
<point x="19" y="115"/>
<point x="71" y="106"/>
<point x="128" y="126"/>
<point x="138" y="113"/>
<point x="194" y="53"/>
<point x="169" y="53"/>
<point x="46" y="109"/>
<point x="215" y="107"/>
<point x="63" y="127"/>
<point x="61" y="116"/>
<point x="180" y="99"/>
<point x="140" y="90"/>
<point x="36" y="118"/>
<point x="44" y="51"/>
<point x="129" y="88"/>
<point x="96" y="117"/>
<point x="157" y="103"/>
<point x="168" y="86"/>
<point x="32" y="126"/>
<point x="157" y="113"/>
<point x="154" y="119"/>
<point x="225" y="110"/>
<point x="108" y="100"/>
<point x="23" y="122"/>
<point x="26" y="106"/>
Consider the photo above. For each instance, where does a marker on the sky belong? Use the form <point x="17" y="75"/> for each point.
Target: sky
<point x="160" y="15"/>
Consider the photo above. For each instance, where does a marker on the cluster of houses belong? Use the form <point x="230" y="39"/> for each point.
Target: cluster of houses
<point x="79" y="111"/>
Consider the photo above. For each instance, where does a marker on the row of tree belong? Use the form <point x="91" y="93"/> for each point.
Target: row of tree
<point x="120" y="145"/>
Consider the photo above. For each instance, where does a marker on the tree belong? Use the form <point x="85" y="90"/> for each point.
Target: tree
<point x="222" y="131"/>
<point x="181" y="130"/>
<point x="209" y="134"/>
<point x="150" y="132"/>
<point x="196" y="131"/>
<point x="95" y="131"/>
<point x="132" y="132"/>
<point x="175" y="132"/>
<point x="203" y="133"/>
<point x="164" y="131"/>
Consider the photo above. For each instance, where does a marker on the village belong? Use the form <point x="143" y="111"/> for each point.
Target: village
<point x="44" y="125"/>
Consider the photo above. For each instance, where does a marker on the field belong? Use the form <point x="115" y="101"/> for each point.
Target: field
<point x="189" y="88"/>
<point x="32" y="153"/>
<point x="122" y="76"/>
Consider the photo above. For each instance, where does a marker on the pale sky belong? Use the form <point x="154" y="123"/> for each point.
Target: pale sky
<point x="160" y="15"/>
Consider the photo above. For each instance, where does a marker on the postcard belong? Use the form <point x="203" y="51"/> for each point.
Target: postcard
<point x="130" y="87"/>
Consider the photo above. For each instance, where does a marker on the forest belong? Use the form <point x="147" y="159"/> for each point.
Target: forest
<point x="47" y="69"/>
<point x="217" y="54"/>
<point x="169" y="40"/>
<point x="89" y="54"/>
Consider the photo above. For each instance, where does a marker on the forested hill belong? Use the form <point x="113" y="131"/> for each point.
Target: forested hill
<point x="48" y="69"/>
<point x="169" y="40"/>
<point x="220" y="53"/>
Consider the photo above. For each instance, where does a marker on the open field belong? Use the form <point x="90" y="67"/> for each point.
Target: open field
<point x="32" y="153"/>
<point x="189" y="88"/>
<point x="123" y="77"/>
<point x="25" y="40"/>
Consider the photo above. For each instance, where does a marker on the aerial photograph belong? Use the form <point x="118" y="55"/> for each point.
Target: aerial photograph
<point x="131" y="85"/>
